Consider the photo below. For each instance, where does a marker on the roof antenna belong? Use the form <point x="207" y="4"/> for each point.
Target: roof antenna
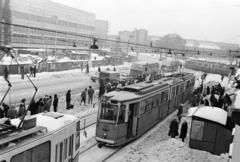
<point x="7" y="50"/>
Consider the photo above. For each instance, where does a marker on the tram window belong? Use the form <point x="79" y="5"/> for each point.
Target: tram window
<point x="77" y="135"/>
<point x="143" y="107"/>
<point x="173" y="91"/>
<point x="37" y="153"/>
<point x="155" y="101"/>
<point x="149" y="103"/>
<point x="121" y="117"/>
<point x="177" y="90"/>
<point x="108" y="112"/>
<point x="65" y="148"/>
<point x="164" y="96"/>
<point x="61" y="152"/>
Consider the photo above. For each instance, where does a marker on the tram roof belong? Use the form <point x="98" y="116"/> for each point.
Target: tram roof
<point x="53" y="121"/>
<point x="122" y="95"/>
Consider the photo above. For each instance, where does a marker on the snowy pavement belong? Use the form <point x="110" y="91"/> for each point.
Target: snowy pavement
<point x="157" y="146"/>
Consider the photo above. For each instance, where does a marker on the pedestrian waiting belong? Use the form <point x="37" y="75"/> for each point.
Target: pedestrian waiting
<point x="55" y="103"/>
<point x="83" y="96"/>
<point x="184" y="129"/>
<point x="90" y="95"/>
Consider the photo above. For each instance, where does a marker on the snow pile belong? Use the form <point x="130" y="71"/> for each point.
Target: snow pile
<point x="173" y="150"/>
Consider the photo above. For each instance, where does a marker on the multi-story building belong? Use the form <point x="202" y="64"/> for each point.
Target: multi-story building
<point x="56" y="18"/>
<point x="101" y="28"/>
<point x="136" y="36"/>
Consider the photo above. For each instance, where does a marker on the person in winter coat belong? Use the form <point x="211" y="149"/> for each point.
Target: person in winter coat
<point x="55" y="103"/>
<point x="173" y="128"/>
<point x="22" y="108"/>
<point x="90" y="94"/>
<point x="180" y="111"/>
<point x="206" y="103"/>
<point x="83" y="96"/>
<point x="220" y="102"/>
<point x="184" y="129"/>
<point x="208" y="90"/>
<point x="12" y="112"/>
<point x="101" y="91"/>
<point x="33" y="108"/>
<point x="40" y="105"/>
<point x="68" y="99"/>
<point x="49" y="103"/>
<point x="213" y="100"/>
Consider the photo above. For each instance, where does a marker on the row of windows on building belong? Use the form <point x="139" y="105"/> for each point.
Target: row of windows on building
<point x="53" y="20"/>
<point x="28" y="31"/>
<point x="16" y="38"/>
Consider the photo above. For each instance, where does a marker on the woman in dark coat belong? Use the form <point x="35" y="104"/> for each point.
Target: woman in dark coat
<point x="173" y="128"/>
<point x="55" y="103"/>
<point x="183" y="132"/>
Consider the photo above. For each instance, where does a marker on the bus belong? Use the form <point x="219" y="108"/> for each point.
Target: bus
<point x="45" y="137"/>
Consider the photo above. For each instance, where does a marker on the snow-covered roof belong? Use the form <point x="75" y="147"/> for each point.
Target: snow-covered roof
<point x="50" y="123"/>
<point x="214" y="114"/>
<point x="121" y="95"/>
<point x="7" y="60"/>
<point x="209" y="46"/>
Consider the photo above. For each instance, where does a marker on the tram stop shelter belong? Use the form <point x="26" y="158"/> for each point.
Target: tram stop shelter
<point x="208" y="130"/>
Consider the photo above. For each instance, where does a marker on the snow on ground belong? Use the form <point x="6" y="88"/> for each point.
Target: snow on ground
<point x="157" y="146"/>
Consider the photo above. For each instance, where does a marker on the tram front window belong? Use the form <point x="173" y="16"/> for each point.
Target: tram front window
<point x="108" y="112"/>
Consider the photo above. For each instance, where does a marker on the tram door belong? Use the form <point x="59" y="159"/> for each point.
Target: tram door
<point x="132" y="120"/>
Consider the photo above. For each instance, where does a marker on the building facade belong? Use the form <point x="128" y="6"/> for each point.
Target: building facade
<point x="139" y="36"/>
<point x="101" y="28"/>
<point x="56" y="18"/>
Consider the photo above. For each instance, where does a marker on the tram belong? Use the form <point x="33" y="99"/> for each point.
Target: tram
<point x="126" y="114"/>
<point x="210" y="67"/>
<point x="46" y="137"/>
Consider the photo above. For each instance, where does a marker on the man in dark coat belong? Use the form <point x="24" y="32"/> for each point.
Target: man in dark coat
<point x="68" y="99"/>
<point x="180" y="111"/>
<point x="33" y="108"/>
<point x="22" y="108"/>
<point x="208" y="90"/>
<point x="183" y="132"/>
<point x="173" y="128"/>
<point x="90" y="94"/>
<point x="101" y="91"/>
<point x="213" y="100"/>
<point x="22" y="72"/>
<point x="83" y="96"/>
<point x="55" y="103"/>
<point x="220" y="101"/>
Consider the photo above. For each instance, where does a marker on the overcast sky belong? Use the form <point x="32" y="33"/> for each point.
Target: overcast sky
<point x="216" y="20"/>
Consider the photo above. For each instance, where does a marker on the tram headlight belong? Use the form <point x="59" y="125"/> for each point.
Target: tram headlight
<point x="105" y="135"/>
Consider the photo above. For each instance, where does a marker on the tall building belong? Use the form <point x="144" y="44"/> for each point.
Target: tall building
<point x="101" y="28"/>
<point x="47" y="15"/>
<point x="141" y="36"/>
<point x="136" y="36"/>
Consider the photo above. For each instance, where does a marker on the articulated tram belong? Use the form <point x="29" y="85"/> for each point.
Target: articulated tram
<point x="46" y="137"/>
<point x="126" y="114"/>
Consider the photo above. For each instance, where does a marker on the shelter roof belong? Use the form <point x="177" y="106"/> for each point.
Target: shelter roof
<point x="214" y="114"/>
